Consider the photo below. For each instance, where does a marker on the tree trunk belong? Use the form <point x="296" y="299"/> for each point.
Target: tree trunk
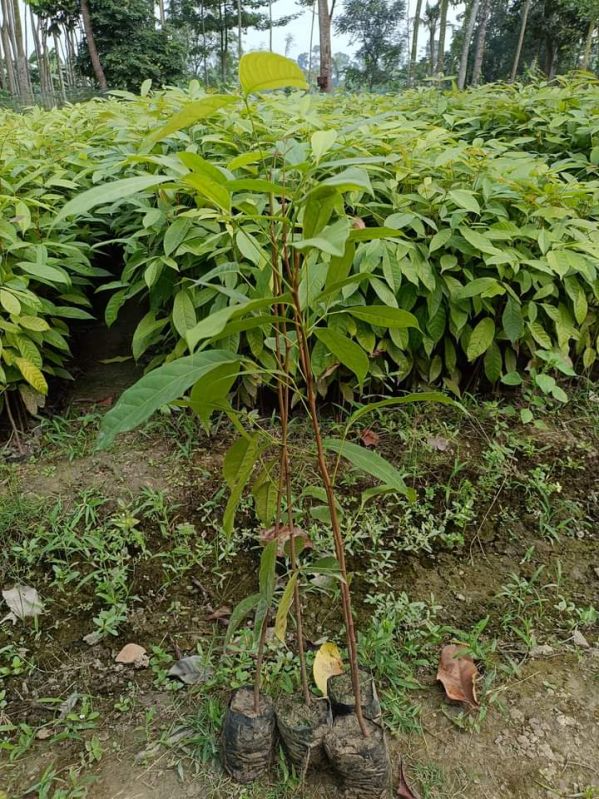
<point x="588" y="48"/>
<point x="22" y="65"/>
<point x="324" y="25"/>
<point x="516" y="64"/>
<point x="161" y="13"/>
<point x="270" y="25"/>
<point x="3" y="80"/>
<point x="469" y="24"/>
<point x="91" y="46"/>
<point x="311" y="42"/>
<point x="431" y="46"/>
<point x="61" y="86"/>
<point x="481" y="40"/>
<point x="239" y="30"/>
<point x="11" y="78"/>
<point x="414" y="53"/>
<point x="440" y="66"/>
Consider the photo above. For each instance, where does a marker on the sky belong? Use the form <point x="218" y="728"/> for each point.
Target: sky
<point x="300" y="30"/>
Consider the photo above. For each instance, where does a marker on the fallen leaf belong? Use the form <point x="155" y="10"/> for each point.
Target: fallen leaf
<point x="191" y="670"/>
<point x="222" y="613"/>
<point x="369" y="438"/>
<point x="131" y="654"/>
<point x="41" y="735"/>
<point x="23" y="601"/>
<point x="327" y="663"/>
<point x="403" y="789"/>
<point x="439" y="443"/>
<point x="91" y="639"/>
<point x="69" y="704"/>
<point x="282" y="534"/>
<point x="458" y="675"/>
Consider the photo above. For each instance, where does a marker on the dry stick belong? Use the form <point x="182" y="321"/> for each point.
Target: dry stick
<point x="285" y="475"/>
<point x="13" y="425"/>
<point x="326" y="479"/>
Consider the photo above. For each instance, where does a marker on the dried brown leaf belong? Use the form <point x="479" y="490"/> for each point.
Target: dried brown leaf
<point x="369" y="438"/>
<point x="403" y="789"/>
<point x="458" y="675"/>
<point x="220" y="614"/>
<point x="282" y="534"/>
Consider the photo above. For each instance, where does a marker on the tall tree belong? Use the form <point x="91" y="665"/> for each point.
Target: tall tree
<point x="415" y="30"/>
<point x="518" y="53"/>
<point x="443" y="9"/>
<point x="91" y="46"/>
<point x="326" y="50"/>
<point x="468" y="30"/>
<point x="376" y="27"/>
<point x="431" y="19"/>
<point x="481" y="38"/>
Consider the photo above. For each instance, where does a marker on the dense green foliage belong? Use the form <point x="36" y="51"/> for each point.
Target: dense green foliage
<point x="484" y="204"/>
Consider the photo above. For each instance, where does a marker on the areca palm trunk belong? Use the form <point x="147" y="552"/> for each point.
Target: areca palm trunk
<point x="481" y="39"/>
<point x="324" y="23"/>
<point x="516" y="64"/>
<point x="414" y="53"/>
<point x="12" y="15"/>
<point x="91" y="46"/>
<point x="588" y="48"/>
<point x="7" y="46"/>
<point x="468" y="31"/>
<point x="440" y="66"/>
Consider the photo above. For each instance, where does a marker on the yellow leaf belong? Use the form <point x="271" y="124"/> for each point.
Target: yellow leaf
<point x="327" y="663"/>
<point x="262" y="71"/>
<point x="32" y="375"/>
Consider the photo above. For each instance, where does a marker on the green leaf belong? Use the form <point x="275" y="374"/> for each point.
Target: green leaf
<point x="109" y="193"/>
<point x="465" y="199"/>
<point x="480" y="287"/>
<point x="267" y="573"/>
<point x="211" y="190"/>
<point x="383" y="316"/>
<point x="493" y="363"/>
<point x="423" y="396"/>
<point x="512" y="320"/>
<point x="285" y="607"/>
<point x="237" y="469"/>
<point x="211" y="392"/>
<point x="262" y="71"/>
<point x="190" y="114"/>
<point x="240" y="612"/>
<point x="176" y="234"/>
<point x="526" y="415"/>
<point x="9" y="302"/>
<point x="184" y="315"/>
<point x="157" y="388"/>
<point x="32" y="375"/>
<point x="512" y="379"/>
<point x="265" y="492"/>
<point x="322" y="141"/>
<point x="347" y="351"/>
<point x="481" y="338"/>
<point x="440" y="239"/>
<point x="540" y="335"/>
<point x="479" y="241"/>
<point x="330" y="239"/>
<point x="368" y="461"/>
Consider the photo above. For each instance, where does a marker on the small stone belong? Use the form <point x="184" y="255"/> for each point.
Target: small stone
<point x="578" y="639"/>
<point x="541" y="651"/>
<point x="461" y="597"/>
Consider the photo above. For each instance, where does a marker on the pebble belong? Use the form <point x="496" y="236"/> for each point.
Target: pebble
<point x="541" y="651"/>
<point x="579" y="640"/>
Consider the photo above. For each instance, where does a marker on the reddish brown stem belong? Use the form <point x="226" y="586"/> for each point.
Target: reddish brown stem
<point x="328" y="486"/>
<point x="285" y="474"/>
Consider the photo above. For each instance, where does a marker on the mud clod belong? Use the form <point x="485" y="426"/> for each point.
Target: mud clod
<point x="342" y="699"/>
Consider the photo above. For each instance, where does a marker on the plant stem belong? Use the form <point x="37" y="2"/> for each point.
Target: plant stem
<point x="259" y="661"/>
<point x="283" y="397"/>
<point x="330" y="492"/>
<point x="13" y="424"/>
